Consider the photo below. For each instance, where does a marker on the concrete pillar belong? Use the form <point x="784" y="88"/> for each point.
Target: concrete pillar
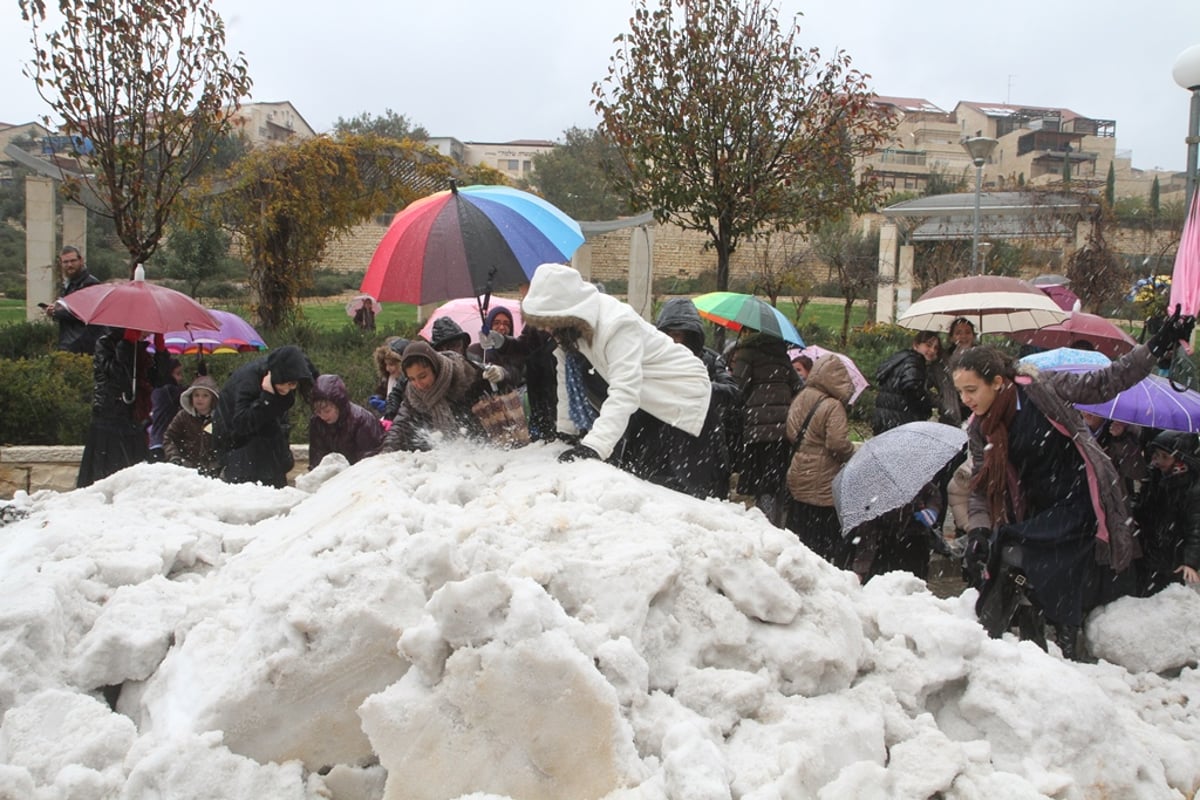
<point x="74" y="227"/>
<point x="904" y="279"/>
<point x="582" y="260"/>
<point x="641" y="271"/>
<point x="40" y="272"/>
<point x="885" y="292"/>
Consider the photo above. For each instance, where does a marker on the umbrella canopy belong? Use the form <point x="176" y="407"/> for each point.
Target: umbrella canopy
<point x="857" y="379"/>
<point x="232" y="335"/>
<point x="1063" y="297"/>
<point x="465" y="311"/>
<point x="1185" y="287"/>
<point x="995" y="304"/>
<point x="1151" y="402"/>
<point x="139" y="305"/>
<point x="358" y="302"/>
<point x="889" y="470"/>
<point x="456" y="242"/>
<point x="735" y="311"/>
<point x="1104" y="335"/>
<point x="1065" y="357"/>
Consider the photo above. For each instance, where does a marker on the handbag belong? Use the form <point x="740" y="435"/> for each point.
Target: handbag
<point x="503" y="418"/>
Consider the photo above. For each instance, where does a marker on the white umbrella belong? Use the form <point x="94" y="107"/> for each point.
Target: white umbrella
<point x="889" y="470"/>
<point x="995" y="304"/>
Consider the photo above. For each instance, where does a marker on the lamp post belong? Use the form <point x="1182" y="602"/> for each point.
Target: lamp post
<point x="980" y="149"/>
<point x="1187" y="74"/>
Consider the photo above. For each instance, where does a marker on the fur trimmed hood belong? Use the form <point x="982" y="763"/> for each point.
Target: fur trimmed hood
<point x="559" y="297"/>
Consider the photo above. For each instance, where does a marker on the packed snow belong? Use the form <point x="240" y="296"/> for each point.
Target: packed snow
<point x="476" y="623"/>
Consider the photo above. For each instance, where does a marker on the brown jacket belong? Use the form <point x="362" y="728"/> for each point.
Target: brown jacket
<point x="826" y="446"/>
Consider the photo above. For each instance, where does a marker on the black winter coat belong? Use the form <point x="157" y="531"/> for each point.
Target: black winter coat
<point x="73" y="335"/>
<point x="1168" y="519"/>
<point x="250" y="427"/>
<point x="768" y="382"/>
<point x="902" y="393"/>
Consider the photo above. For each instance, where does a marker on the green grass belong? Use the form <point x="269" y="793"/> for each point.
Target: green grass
<point x="325" y="315"/>
<point x="330" y="315"/>
<point x="11" y="310"/>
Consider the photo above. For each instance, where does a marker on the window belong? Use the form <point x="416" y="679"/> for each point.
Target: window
<point x="513" y="165"/>
<point x="526" y="167"/>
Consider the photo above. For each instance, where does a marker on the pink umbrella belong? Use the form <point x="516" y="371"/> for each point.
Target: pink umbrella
<point x="1063" y="297"/>
<point x="359" y="301"/>
<point x="856" y="377"/>
<point x="465" y="311"/>
<point x="1185" y="281"/>
<point x="1104" y="335"/>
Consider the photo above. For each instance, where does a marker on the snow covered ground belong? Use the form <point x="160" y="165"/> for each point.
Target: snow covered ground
<point x="485" y="624"/>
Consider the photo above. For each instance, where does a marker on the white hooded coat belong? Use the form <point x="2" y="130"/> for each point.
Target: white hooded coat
<point x="643" y="366"/>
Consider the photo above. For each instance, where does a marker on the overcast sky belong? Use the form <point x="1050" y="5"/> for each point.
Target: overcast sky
<point x="523" y="69"/>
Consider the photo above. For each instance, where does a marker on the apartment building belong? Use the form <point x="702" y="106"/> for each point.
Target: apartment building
<point x="514" y="159"/>
<point x="270" y="123"/>
<point x="1037" y="146"/>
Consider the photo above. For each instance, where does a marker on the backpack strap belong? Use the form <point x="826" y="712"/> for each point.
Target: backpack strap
<point x="804" y="426"/>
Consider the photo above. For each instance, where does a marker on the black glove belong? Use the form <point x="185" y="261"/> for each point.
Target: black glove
<point x="975" y="556"/>
<point x="578" y="453"/>
<point x="1174" y="328"/>
<point x="569" y="438"/>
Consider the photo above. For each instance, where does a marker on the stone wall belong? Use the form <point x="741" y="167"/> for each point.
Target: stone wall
<point x="33" y="468"/>
<point x="677" y="253"/>
<point x="680" y="254"/>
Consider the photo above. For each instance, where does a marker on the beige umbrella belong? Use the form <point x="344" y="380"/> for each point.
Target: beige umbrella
<point x="995" y="304"/>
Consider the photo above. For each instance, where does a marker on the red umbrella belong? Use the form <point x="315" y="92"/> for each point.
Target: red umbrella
<point x="139" y="305"/>
<point x="1104" y="335"/>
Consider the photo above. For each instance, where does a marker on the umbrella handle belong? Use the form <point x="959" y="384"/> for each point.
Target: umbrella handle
<point x="487" y="300"/>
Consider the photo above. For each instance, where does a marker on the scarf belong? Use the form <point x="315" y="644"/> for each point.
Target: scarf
<point x="433" y="402"/>
<point x="580" y="409"/>
<point x="993" y="475"/>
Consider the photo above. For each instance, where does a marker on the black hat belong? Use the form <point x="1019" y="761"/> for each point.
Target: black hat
<point x="446" y="332"/>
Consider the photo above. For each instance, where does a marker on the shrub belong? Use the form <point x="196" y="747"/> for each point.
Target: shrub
<point x="46" y="400"/>
<point x="27" y="339"/>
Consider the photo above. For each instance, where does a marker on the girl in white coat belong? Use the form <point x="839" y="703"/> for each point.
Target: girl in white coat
<point x="645" y="369"/>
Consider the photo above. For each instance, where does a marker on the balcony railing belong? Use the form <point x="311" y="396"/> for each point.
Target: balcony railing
<point x="914" y="158"/>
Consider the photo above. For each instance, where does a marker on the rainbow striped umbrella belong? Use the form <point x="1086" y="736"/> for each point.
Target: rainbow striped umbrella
<point x="461" y="242"/>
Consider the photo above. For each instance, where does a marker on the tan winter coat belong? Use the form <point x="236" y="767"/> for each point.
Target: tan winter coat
<point x="826" y="446"/>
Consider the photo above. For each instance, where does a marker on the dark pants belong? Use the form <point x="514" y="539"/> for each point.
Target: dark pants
<point x="818" y="529"/>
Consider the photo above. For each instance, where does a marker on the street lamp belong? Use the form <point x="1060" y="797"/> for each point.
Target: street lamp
<point x="980" y="149"/>
<point x="1186" y="73"/>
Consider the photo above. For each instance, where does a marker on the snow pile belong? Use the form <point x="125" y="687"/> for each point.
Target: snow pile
<point x="476" y="623"/>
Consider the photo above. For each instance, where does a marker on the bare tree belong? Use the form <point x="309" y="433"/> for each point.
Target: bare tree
<point x="148" y="89"/>
<point x="853" y="255"/>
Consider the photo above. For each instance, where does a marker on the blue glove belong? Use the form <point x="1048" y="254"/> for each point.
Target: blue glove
<point x="376" y="402"/>
<point x="926" y="516"/>
<point x="577" y="453"/>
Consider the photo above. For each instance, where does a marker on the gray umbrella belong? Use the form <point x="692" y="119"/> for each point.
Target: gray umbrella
<point x="889" y="469"/>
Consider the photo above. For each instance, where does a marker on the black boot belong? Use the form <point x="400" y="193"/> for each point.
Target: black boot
<point x="1070" y="642"/>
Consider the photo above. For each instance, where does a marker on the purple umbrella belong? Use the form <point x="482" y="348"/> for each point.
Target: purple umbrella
<point x="234" y="335"/>
<point x="1150" y="402"/>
